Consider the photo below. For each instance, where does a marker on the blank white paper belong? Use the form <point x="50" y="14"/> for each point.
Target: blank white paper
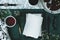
<point x="33" y="25"/>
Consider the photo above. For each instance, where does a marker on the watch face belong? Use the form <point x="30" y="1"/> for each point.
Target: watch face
<point x="10" y="21"/>
<point x="33" y="2"/>
<point x="51" y="6"/>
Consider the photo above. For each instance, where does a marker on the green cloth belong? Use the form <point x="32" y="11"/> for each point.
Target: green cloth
<point x="51" y="23"/>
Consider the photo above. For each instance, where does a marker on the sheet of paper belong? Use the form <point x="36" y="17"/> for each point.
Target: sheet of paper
<point x="33" y="25"/>
<point x="0" y="21"/>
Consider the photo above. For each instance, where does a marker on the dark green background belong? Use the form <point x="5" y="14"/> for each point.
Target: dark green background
<point x="51" y="23"/>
